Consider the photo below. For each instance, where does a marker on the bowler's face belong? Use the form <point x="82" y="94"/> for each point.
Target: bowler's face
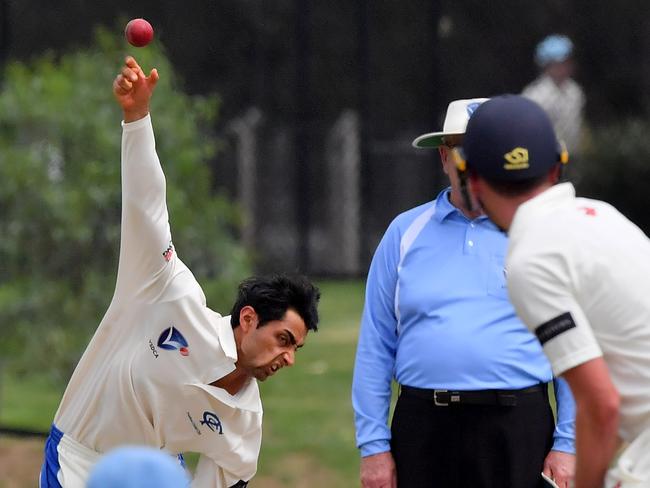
<point x="267" y="349"/>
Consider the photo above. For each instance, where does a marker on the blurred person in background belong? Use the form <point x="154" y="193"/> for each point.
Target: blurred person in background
<point x="163" y="369"/>
<point x="557" y="92"/>
<point x="473" y="406"/>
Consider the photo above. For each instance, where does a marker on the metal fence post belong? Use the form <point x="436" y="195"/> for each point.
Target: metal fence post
<point x="245" y="128"/>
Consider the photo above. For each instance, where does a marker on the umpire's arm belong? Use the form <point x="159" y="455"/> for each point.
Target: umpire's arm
<point x="374" y="364"/>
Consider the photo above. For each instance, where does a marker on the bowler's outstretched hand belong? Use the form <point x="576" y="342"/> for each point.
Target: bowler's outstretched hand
<point x="133" y="89"/>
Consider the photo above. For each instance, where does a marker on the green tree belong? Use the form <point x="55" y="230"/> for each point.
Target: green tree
<point x="60" y="197"/>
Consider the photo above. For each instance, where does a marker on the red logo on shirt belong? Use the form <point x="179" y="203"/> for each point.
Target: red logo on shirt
<point x="591" y="212"/>
<point x="171" y="339"/>
<point x="169" y="252"/>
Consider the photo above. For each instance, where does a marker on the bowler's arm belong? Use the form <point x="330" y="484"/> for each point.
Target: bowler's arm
<point x="146" y="247"/>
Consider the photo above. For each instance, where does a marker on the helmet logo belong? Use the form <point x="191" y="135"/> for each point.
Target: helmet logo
<point x="516" y="159"/>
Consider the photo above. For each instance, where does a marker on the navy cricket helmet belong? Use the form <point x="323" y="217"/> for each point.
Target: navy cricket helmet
<point x="511" y="138"/>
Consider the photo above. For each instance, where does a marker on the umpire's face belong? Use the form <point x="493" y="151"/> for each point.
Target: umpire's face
<point x="495" y="205"/>
<point x="449" y="167"/>
<point x="264" y="350"/>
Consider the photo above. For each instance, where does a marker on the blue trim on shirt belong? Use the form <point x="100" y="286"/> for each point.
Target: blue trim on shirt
<point x="437" y="315"/>
<point x="51" y="465"/>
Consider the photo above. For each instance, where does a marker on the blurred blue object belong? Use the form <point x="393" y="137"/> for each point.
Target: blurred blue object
<point x="553" y="49"/>
<point x="138" y="467"/>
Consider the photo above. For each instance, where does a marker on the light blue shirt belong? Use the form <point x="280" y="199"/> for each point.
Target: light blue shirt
<point x="437" y="315"/>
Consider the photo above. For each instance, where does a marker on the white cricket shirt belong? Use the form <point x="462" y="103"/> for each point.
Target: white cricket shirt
<point x="582" y="257"/>
<point x="145" y="376"/>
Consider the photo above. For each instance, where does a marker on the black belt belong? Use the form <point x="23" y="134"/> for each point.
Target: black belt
<point x="444" y="398"/>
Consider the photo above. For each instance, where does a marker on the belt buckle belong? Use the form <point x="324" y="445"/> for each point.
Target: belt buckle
<point x="436" y="401"/>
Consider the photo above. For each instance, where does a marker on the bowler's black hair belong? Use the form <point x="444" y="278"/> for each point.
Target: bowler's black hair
<point x="272" y="296"/>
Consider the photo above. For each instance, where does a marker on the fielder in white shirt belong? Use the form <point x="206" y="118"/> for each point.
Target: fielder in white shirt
<point x="162" y="369"/>
<point x="557" y="92"/>
<point x="578" y="276"/>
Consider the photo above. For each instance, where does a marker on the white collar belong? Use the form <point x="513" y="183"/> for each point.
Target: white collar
<point x="248" y="398"/>
<point x="541" y="205"/>
<point x="226" y="335"/>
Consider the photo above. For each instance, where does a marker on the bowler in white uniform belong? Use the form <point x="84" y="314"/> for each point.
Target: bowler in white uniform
<point x="162" y="369"/>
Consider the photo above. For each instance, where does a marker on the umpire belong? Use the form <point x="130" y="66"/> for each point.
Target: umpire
<point x="473" y="407"/>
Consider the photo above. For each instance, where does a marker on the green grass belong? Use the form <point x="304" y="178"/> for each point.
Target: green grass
<point x="28" y="402"/>
<point x="308" y="426"/>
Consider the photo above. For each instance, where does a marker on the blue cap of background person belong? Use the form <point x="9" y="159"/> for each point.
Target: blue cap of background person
<point x="510" y="138"/>
<point x="553" y="49"/>
<point x="138" y="467"/>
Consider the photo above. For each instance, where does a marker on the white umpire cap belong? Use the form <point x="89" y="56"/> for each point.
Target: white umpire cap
<point x="458" y="114"/>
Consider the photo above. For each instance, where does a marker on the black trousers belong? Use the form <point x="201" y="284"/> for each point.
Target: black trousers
<point x="471" y="446"/>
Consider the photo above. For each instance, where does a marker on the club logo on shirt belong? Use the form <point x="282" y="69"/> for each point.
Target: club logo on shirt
<point x="171" y="339"/>
<point x="212" y="422"/>
<point x="168" y="254"/>
<point x="589" y="211"/>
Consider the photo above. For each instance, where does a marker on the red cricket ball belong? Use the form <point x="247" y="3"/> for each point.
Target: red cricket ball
<point x="138" y="32"/>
